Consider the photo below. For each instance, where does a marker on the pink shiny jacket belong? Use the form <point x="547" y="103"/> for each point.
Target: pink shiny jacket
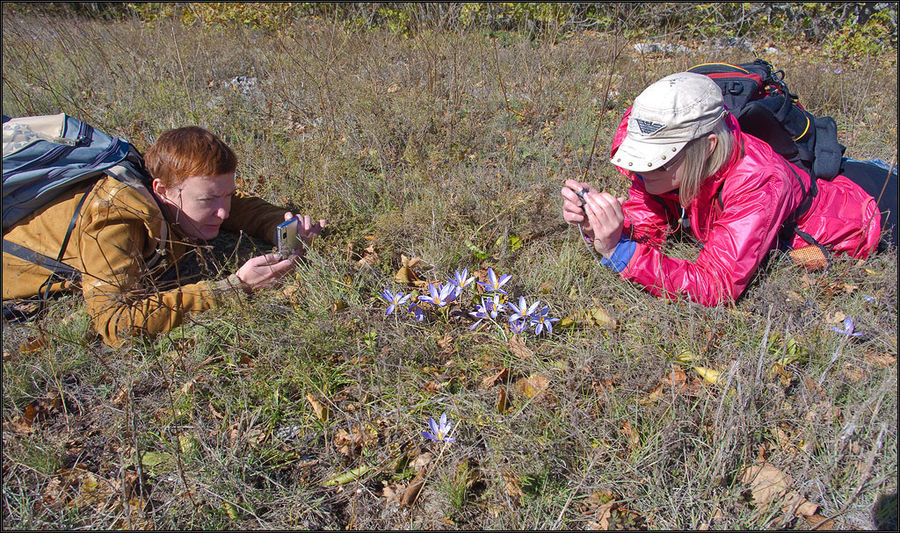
<point x="737" y="215"/>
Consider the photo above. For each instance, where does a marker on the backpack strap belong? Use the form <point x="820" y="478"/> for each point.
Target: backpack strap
<point x="828" y="151"/>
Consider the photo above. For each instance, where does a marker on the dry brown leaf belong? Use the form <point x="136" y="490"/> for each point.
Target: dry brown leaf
<point x="352" y="443"/>
<point x="320" y="410"/>
<point x="513" y="488"/>
<point x="532" y="385"/>
<point x="36" y="344"/>
<point x="445" y="343"/>
<point x="502" y="401"/>
<point x="412" y="490"/>
<point x="815" y="519"/>
<point x="634" y="438"/>
<point x="517" y="347"/>
<point x="433" y="387"/>
<point x="490" y="381"/>
<point x="369" y="256"/>
<point x="421" y="461"/>
<point x="767" y="484"/>
<point x="655" y="395"/>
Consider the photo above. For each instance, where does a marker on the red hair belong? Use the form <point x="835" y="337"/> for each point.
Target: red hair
<point x="188" y="152"/>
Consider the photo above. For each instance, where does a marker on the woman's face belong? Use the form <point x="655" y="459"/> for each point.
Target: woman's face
<point x="666" y="178"/>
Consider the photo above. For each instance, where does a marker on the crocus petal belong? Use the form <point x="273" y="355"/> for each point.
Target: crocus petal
<point x="428" y="435"/>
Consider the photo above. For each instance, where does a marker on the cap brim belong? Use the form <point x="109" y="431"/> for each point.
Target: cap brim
<point x="638" y="156"/>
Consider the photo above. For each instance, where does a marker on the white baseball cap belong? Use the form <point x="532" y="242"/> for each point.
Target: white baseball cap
<point x="666" y="116"/>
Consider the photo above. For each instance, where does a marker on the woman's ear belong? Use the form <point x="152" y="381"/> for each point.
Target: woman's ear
<point x="711" y="142"/>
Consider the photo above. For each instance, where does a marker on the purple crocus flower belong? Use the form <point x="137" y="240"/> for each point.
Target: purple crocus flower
<point x="494" y="283"/>
<point x="518" y="326"/>
<point x="522" y="310"/>
<point x="393" y="300"/>
<point x="416" y="312"/>
<point x="541" y="321"/>
<point x="849" y="329"/>
<point x="488" y="309"/>
<point x="460" y="281"/>
<point x="439" y="296"/>
<point x="439" y="431"/>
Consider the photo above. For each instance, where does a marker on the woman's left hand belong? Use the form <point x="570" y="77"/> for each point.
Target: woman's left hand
<point x="607" y="220"/>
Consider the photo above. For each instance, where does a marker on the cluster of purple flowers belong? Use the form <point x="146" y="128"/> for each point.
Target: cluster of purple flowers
<point x="493" y="303"/>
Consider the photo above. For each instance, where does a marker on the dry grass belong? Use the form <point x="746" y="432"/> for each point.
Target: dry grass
<point x="434" y="146"/>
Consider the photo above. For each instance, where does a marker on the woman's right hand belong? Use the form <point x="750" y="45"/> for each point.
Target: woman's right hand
<point x="264" y="271"/>
<point x="573" y="206"/>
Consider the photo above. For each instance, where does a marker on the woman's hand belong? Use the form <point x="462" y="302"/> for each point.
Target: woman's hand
<point x="606" y="219"/>
<point x="264" y="270"/>
<point x="573" y="211"/>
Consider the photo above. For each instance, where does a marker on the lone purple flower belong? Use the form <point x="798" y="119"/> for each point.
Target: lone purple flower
<point x="439" y="431"/>
<point x="849" y="329"/>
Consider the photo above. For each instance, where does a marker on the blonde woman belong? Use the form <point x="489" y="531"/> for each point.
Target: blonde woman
<point x="692" y="167"/>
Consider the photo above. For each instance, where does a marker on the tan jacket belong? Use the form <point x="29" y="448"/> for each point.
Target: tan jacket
<point x="123" y="245"/>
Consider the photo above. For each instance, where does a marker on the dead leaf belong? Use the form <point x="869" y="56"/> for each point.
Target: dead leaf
<point x="369" y="256"/>
<point x="517" y="347"/>
<point x="502" y="402"/>
<point x="445" y="343"/>
<point x="835" y="318"/>
<point x="767" y="484"/>
<point x="490" y="381"/>
<point x="532" y="385"/>
<point x="406" y="275"/>
<point x="412" y="490"/>
<point x="634" y="438"/>
<point x="708" y="374"/>
<point x="320" y="410"/>
<point x="512" y="486"/>
<point x="36" y="344"/>
<point x="421" y="461"/>
<point x="433" y="387"/>
<point x="815" y="519"/>
<point x="352" y="443"/>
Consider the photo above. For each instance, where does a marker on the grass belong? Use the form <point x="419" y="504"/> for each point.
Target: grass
<point x="449" y="146"/>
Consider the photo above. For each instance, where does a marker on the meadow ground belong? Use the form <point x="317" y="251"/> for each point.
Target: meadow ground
<point x="429" y="153"/>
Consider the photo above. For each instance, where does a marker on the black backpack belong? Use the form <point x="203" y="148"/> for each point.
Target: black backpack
<point x="757" y="96"/>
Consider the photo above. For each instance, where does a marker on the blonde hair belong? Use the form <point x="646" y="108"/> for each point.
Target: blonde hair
<point x="696" y="167"/>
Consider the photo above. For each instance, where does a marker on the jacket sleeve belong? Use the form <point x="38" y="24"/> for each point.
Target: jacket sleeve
<point x="254" y="216"/>
<point x="117" y="283"/>
<point x="738" y="240"/>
